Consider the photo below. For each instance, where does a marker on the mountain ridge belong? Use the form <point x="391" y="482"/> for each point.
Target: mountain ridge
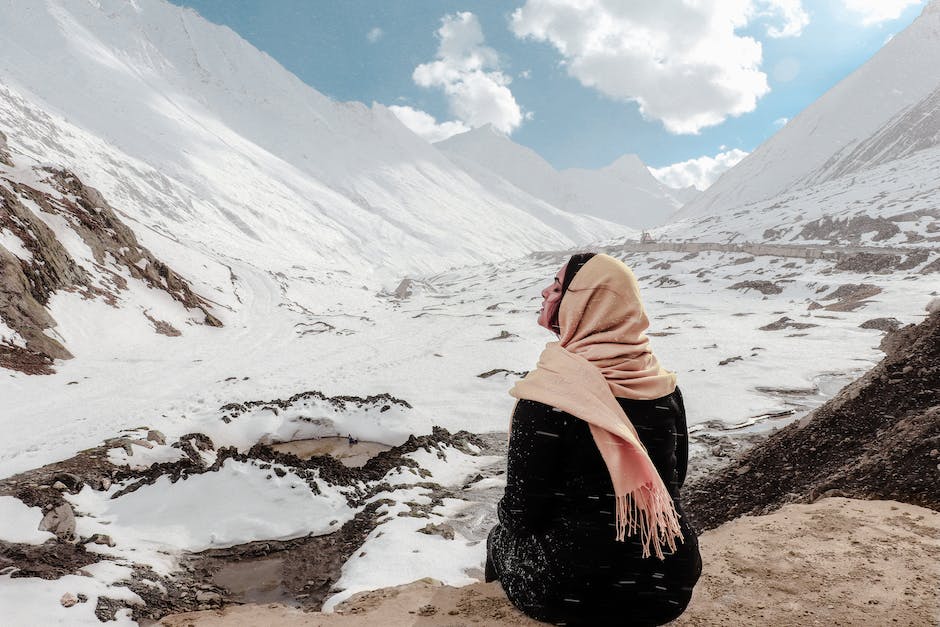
<point x="623" y="191"/>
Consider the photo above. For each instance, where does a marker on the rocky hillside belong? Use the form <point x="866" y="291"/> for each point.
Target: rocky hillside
<point x="59" y="235"/>
<point x="879" y="438"/>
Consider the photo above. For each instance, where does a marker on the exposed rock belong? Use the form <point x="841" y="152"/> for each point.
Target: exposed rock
<point x="50" y="560"/>
<point x="786" y="323"/>
<point x="60" y="521"/>
<point x="503" y="335"/>
<point x="5" y="157"/>
<point x="764" y="287"/>
<point x="849" y="229"/>
<point x="502" y="371"/>
<point x="872" y="440"/>
<point x="725" y="362"/>
<point x="868" y="262"/>
<point x="882" y="324"/>
<point x="68" y="599"/>
<point x="162" y="326"/>
<point x="382" y="402"/>
<point x="26" y="284"/>
<point x="404" y="289"/>
<point x="913" y="260"/>
<point x="933" y="266"/>
<point x="851" y="296"/>
<point x="443" y="529"/>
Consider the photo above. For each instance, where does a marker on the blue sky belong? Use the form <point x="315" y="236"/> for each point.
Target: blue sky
<point x="544" y="72"/>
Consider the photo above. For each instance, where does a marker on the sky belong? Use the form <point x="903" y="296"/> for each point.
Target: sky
<point x="690" y="87"/>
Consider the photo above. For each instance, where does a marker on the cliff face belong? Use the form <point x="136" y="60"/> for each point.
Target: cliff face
<point x="39" y="207"/>
<point x="879" y="438"/>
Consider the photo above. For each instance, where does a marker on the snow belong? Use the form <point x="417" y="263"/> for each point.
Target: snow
<point x="217" y="509"/>
<point x="21" y="522"/>
<point x="894" y="190"/>
<point x="9" y="336"/>
<point x="818" y="144"/>
<point x="235" y="163"/>
<point x="14" y="244"/>
<point x="624" y="192"/>
<point x="395" y="552"/>
<point x="34" y="601"/>
<point x="211" y="153"/>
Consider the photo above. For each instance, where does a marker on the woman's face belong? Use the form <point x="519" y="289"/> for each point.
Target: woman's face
<point x="551" y="299"/>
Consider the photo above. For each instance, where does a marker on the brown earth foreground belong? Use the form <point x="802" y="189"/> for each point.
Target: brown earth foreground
<point x="834" y="562"/>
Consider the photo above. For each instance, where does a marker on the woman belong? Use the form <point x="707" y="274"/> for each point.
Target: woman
<point x="591" y="530"/>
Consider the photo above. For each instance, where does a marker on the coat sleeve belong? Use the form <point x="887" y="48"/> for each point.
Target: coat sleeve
<point x="532" y="467"/>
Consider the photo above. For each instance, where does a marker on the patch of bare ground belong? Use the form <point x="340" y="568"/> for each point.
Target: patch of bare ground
<point x="764" y="287"/>
<point x="849" y="229"/>
<point x="162" y="326"/>
<point x="868" y="263"/>
<point x="850" y="296"/>
<point x="786" y="323"/>
<point x="882" y="324"/>
<point x="835" y="562"/>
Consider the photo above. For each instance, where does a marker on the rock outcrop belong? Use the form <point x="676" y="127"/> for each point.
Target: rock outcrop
<point x="40" y="265"/>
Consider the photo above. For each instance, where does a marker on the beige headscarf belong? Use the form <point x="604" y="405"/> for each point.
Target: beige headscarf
<point x="603" y="354"/>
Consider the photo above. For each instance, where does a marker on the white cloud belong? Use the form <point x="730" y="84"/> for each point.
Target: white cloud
<point x="781" y="122"/>
<point x="701" y="172"/>
<point x="424" y="124"/>
<point x="682" y="62"/>
<point x="468" y="71"/>
<point x="374" y="35"/>
<point x="795" y="19"/>
<point x="876" y="11"/>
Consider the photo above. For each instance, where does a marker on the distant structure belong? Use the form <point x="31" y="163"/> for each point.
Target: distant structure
<point x="646" y="238"/>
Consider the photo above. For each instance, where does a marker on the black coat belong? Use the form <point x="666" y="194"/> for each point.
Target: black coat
<point x="554" y="549"/>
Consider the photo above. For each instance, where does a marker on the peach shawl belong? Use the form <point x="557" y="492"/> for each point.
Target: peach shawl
<point x="602" y="354"/>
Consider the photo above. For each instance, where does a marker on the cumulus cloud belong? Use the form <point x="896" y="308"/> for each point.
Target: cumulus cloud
<point x="468" y="71"/>
<point x="795" y="19"/>
<point x="424" y="124"/>
<point x="781" y="122"/>
<point x="701" y="172"/>
<point x="683" y="63"/>
<point x="876" y="11"/>
<point x="374" y="35"/>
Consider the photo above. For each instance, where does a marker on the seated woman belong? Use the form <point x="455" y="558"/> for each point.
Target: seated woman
<point x="591" y="530"/>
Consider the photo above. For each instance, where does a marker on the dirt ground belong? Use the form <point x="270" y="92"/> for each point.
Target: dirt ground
<point x="835" y="562"/>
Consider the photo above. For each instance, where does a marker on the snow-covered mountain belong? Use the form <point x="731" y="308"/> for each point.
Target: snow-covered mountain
<point x="190" y="131"/>
<point x="887" y="109"/>
<point x="623" y="192"/>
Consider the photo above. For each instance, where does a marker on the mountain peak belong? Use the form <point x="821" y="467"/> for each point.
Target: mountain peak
<point x="629" y="162"/>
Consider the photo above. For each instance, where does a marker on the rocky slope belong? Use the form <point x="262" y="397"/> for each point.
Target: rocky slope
<point x="57" y="234"/>
<point x="879" y="438"/>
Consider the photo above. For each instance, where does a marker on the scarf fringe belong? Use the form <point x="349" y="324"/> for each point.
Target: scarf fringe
<point x="649" y="511"/>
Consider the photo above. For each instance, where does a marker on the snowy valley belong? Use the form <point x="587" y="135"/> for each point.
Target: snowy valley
<point x="203" y="276"/>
